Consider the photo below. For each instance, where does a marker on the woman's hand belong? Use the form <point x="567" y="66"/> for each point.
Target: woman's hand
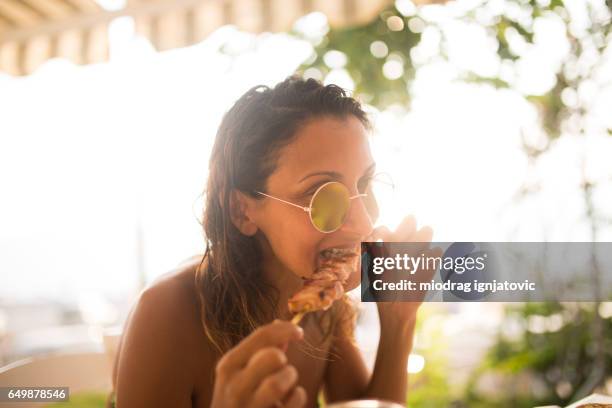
<point x="401" y="315"/>
<point x="255" y="373"/>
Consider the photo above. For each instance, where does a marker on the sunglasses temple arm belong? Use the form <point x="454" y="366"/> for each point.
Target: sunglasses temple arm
<point x="358" y="195"/>
<point x="306" y="209"/>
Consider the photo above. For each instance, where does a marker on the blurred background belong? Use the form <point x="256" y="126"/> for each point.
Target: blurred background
<point x="494" y="119"/>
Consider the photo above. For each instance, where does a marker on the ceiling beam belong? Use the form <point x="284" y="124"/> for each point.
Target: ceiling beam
<point x="5" y="24"/>
<point x="85" y="5"/>
<point x="89" y="19"/>
<point x="51" y="8"/>
<point x="19" y="13"/>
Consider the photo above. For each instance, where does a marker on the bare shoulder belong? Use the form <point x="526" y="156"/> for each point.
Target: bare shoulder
<point x="174" y="291"/>
<point x="171" y="302"/>
<point x="163" y="346"/>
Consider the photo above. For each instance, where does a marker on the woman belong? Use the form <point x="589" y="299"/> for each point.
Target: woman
<point x="215" y="332"/>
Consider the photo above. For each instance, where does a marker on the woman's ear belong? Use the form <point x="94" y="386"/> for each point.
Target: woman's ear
<point x="241" y="210"/>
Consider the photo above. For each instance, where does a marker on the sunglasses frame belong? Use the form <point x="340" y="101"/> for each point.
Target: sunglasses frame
<point x="308" y="209"/>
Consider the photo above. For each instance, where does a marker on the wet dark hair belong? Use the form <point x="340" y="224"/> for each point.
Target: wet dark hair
<point x="234" y="297"/>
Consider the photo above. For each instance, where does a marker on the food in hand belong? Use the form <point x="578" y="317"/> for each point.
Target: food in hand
<point x="325" y="285"/>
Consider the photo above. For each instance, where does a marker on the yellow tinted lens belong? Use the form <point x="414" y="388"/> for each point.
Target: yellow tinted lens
<point x="329" y="207"/>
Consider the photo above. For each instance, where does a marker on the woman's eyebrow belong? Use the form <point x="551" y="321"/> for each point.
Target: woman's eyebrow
<point x="332" y="174"/>
<point x="335" y="174"/>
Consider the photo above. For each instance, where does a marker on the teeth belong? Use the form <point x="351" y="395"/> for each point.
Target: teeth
<point x="337" y="252"/>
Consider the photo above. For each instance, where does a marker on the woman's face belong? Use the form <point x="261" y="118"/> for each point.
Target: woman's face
<point x="324" y="149"/>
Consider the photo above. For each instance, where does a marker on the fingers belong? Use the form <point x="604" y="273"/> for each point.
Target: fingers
<point x="296" y="398"/>
<point x="436" y="252"/>
<point x="405" y="232"/>
<point x="406" y="229"/>
<point x="275" y="387"/>
<point x="276" y="334"/>
<point x="264" y="362"/>
<point x="425" y="234"/>
<point x="422" y="239"/>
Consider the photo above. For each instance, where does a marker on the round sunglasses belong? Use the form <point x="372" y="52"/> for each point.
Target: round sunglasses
<point x="331" y="202"/>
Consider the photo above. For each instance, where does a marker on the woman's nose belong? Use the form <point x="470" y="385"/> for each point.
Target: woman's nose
<point x="358" y="220"/>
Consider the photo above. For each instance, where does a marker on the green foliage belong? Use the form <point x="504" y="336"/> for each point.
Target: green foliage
<point x="366" y="69"/>
<point x="501" y="31"/>
<point x="565" y="363"/>
<point x="430" y="388"/>
<point x="550" y="105"/>
<point x="83" y="400"/>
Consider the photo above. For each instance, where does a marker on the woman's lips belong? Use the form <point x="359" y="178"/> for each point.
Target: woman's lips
<point x="337" y="251"/>
<point x="338" y="262"/>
